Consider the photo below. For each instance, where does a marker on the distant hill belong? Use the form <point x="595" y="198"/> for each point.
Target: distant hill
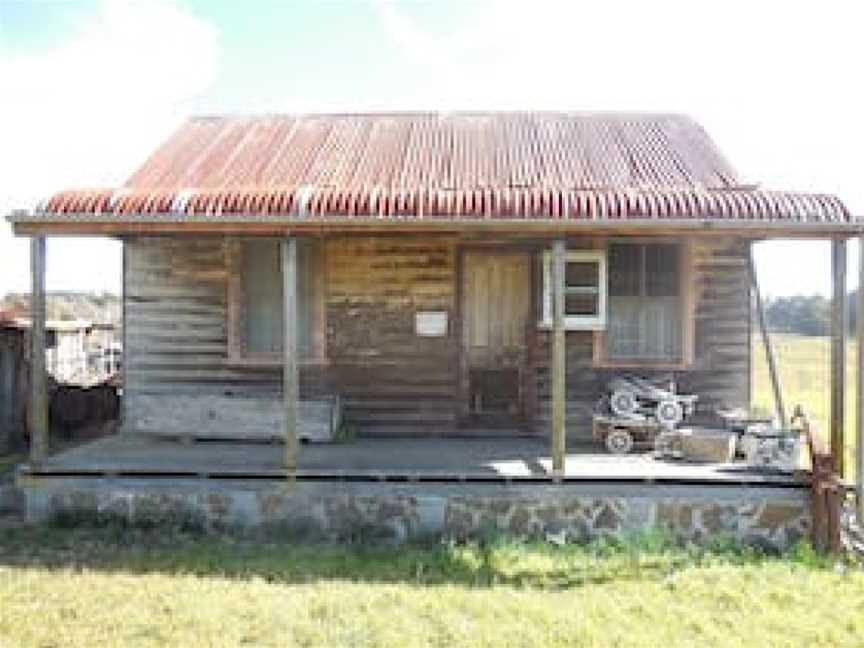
<point x="68" y="305"/>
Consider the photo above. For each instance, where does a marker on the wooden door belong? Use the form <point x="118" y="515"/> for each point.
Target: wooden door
<point x="496" y="296"/>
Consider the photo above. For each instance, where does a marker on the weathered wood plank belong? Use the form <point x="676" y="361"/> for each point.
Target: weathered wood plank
<point x="228" y="417"/>
<point x="559" y="366"/>
<point x="290" y="370"/>
<point x="38" y="377"/>
<point x="175" y="310"/>
<point x="375" y="285"/>
<point x="838" y="353"/>
<point x="146" y="319"/>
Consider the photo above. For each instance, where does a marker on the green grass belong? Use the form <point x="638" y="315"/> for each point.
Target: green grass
<point x="86" y="587"/>
<point x="126" y="587"/>
<point x="804" y="368"/>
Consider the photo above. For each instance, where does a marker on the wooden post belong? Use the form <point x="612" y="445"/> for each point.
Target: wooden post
<point x="859" y="322"/>
<point x="826" y="487"/>
<point x="838" y="352"/>
<point x="38" y="412"/>
<point x="769" y="347"/>
<point x="124" y="320"/>
<point x="559" y="385"/>
<point x="290" y="375"/>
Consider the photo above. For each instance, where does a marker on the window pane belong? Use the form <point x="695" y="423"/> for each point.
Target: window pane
<point x="582" y="289"/>
<point x="582" y="273"/>
<point x="578" y="303"/>
<point x="644" y="329"/>
<point x="263" y="290"/>
<point x="644" y="302"/>
<point x="662" y="270"/>
<point x="661" y="328"/>
<point x="623" y="330"/>
<point x="262" y="283"/>
<point x="625" y="269"/>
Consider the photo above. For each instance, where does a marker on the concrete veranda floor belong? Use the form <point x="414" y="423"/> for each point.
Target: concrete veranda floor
<point x="404" y="458"/>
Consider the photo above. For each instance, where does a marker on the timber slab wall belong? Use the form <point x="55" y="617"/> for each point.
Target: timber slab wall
<point x="391" y="382"/>
<point x="720" y="373"/>
<point x="768" y="517"/>
<point x="14" y="386"/>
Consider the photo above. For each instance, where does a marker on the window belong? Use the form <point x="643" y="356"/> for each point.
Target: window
<point x="256" y="300"/>
<point x="584" y="290"/>
<point x="645" y="302"/>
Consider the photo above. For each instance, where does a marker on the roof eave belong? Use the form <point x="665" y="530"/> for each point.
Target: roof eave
<point x="34" y="224"/>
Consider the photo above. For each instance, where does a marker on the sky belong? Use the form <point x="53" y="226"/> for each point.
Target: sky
<point x="90" y="87"/>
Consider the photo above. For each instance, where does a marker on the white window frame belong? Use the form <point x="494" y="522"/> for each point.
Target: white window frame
<point x="578" y="322"/>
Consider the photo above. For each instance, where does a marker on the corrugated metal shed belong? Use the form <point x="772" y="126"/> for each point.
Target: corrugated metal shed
<point x="445" y="166"/>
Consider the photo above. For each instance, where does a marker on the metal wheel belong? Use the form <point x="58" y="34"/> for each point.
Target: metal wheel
<point x="619" y="442"/>
<point x="669" y="413"/>
<point x="623" y="402"/>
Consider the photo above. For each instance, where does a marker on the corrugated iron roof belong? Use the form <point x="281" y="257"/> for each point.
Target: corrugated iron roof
<point x="445" y="166"/>
<point x="334" y="204"/>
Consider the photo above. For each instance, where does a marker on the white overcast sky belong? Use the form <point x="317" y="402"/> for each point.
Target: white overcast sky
<point x="90" y="87"/>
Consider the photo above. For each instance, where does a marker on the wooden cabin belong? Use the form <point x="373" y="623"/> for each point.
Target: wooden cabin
<point x="426" y="333"/>
<point x="408" y="275"/>
<point x="453" y="292"/>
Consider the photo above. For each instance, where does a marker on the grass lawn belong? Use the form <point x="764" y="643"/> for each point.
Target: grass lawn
<point x="87" y="587"/>
<point x="804" y="368"/>
<point x="113" y="587"/>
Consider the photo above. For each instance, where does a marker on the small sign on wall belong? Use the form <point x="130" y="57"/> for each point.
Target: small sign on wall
<point x="430" y="323"/>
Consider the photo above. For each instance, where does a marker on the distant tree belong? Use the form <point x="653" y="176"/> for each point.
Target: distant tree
<point x="807" y="315"/>
<point x="803" y="315"/>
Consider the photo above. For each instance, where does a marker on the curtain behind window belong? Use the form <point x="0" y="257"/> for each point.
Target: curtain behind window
<point x="644" y="301"/>
<point x="262" y="288"/>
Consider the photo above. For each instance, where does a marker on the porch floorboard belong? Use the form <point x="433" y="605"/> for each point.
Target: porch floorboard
<point x="409" y="459"/>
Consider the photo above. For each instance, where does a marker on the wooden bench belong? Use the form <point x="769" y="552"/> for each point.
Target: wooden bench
<point x="230" y="417"/>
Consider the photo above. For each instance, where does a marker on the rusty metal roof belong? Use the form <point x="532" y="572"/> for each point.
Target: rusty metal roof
<point x="446" y="166"/>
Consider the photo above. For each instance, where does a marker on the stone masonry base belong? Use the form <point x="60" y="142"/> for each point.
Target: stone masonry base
<point x="769" y="517"/>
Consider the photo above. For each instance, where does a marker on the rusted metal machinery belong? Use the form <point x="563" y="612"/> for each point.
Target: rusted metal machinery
<point x="634" y="411"/>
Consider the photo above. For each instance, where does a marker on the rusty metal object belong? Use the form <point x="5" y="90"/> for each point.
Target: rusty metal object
<point x="386" y="204"/>
<point x="827" y="487"/>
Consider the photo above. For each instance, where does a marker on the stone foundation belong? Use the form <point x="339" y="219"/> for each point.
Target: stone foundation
<point x="343" y="511"/>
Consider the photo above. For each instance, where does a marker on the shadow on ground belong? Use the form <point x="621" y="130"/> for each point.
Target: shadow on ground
<point x="487" y="562"/>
